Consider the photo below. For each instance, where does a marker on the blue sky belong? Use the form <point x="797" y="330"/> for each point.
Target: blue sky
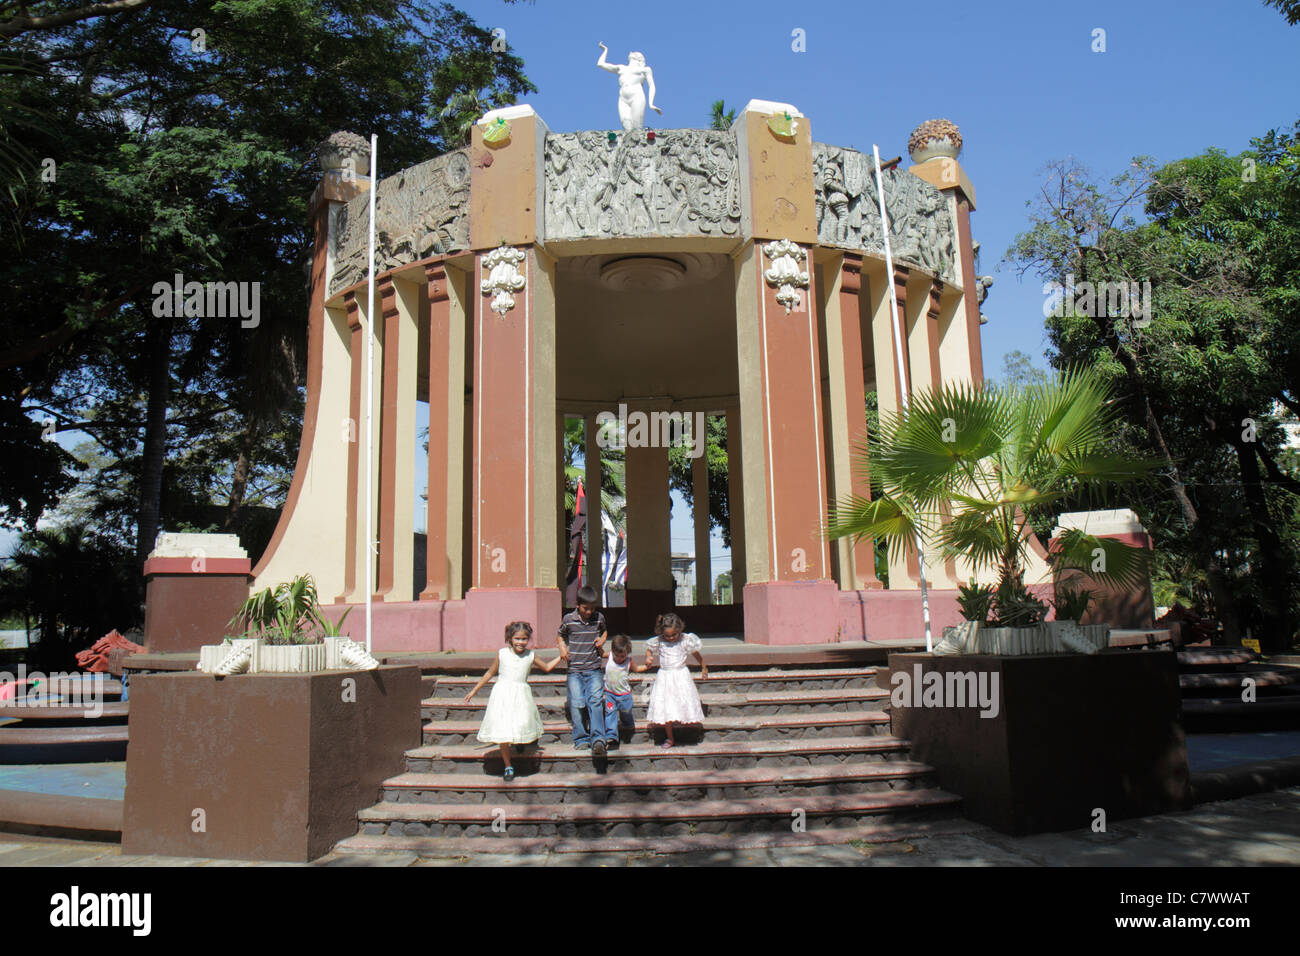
<point x="1021" y="80"/>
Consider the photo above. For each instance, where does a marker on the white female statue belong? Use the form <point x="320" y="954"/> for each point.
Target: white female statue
<point x="631" y="100"/>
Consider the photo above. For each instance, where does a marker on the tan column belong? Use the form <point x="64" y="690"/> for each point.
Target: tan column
<point x="548" y="463"/>
<point x="972" y="310"/>
<point x="750" y="356"/>
<point x="357" y="353"/>
<point x="736" y="504"/>
<point x="700" y="492"/>
<point x="400" y="306"/>
<point x="595" y="538"/>
<point x="847" y="410"/>
<point x="445" y="289"/>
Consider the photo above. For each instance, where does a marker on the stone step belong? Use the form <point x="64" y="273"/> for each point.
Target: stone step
<point x="766" y="814"/>
<point x="709" y="755"/>
<point x="105" y="713"/>
<point x="765" y="727"/>
<point x="727" y="681"/>
<point x="760" y="703"/>
<point x="655" y="785"/>
<point x="1264" y="678"/>
<point x="907" y="827"/>
<point x="1221" y="658"/>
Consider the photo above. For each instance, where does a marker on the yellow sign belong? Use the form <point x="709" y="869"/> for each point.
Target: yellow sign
<point x="1250" y="643"/>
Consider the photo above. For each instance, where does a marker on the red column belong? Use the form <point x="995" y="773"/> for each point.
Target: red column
<point x="967" y="253"/>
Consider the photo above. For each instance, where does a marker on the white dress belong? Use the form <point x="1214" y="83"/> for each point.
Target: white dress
<point x="673" y="697"/>
<point x="511" y="716"/>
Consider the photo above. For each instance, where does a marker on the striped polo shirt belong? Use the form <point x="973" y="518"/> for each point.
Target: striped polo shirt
<point x="580" y="637"/>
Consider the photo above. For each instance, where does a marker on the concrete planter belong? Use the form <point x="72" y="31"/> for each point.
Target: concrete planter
<point x="263" y="767"/>
<point x="1050" y="739"/>
<point x="288" y="659"/>
<point x="210" y="655"/>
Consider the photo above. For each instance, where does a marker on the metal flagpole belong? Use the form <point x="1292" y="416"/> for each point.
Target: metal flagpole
<point x="904" y="383"/>
<point x="370" y="399"/>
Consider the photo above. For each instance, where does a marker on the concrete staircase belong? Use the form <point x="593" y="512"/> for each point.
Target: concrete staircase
<point x="788" y="755"/>
<point x="38" y="728"/>
<point x="1213" y="679"/>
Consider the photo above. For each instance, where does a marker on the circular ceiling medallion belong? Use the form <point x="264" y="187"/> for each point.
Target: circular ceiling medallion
<point x="644" y="272"/>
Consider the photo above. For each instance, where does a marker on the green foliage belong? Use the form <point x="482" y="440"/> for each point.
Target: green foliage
<point x="721" y="117"/>
<point x="975" y="601"/>
<point x="681" y="477"/>
<point x="289" y="613"/>
<point x="1014" y="605"/>
<point x="1072" y="603"/>
<point x="173" y="159"/>
<point x="968" y="467"/>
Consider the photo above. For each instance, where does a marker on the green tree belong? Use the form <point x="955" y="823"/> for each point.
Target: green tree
<point x="721" y="117"/>
<point x="181" y="135"/>
<point x="1205" y="374"/>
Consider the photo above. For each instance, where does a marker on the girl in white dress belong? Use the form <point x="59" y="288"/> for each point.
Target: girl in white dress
<point x="511" y="716"/>
<point x="673" y="697"/>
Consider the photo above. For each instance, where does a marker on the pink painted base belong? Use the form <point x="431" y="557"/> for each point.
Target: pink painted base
<point x="405" y="625"/>
<point x="488" y="611"/>
<point x="791" y="612"/>
<point x="896" y="615"/>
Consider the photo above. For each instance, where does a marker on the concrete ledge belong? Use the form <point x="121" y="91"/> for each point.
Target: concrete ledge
<point x="53" y="815"/>
<point x="1233" y="782"/>
<point x="262" y="766"/>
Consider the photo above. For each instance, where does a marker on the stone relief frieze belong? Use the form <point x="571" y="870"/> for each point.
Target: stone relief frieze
<point x="684" y="183"/>
<point x="848" y="215"/>
<point x="422" y="211"/>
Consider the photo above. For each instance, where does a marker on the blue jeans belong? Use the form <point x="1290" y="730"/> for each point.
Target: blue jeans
<point x="587" y="689"/>
<point x="618" y="715"/>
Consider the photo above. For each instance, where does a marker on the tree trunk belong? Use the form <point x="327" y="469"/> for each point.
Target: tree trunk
<point x="158" y="350"/>
<point x="239" y="481"/>
<point x="1275" y="584"/>
<point x="1224" y="607"/>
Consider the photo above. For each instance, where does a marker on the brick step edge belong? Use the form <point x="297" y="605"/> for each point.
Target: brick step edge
<point x="788" y="747"/>
<point x="860" y="673"/>
<point x="715" y="724"/>
<point x="661" y="780"/>
<point x="702" y="811"/>
<point x="439" y="847"/>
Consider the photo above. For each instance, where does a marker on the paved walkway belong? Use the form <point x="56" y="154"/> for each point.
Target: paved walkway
<point x="1259" y="830"/>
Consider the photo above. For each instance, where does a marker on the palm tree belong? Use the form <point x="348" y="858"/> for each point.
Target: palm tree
<point x="723" y="118"/>
<point x="969" y="467"/>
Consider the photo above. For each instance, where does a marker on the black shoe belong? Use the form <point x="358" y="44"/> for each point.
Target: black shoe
<point x="611" y="744"/>
<point x="598" y="748"/>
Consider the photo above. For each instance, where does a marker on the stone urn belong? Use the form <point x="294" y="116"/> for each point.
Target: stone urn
<point x="344" y="151"/>
<point x="934" y="138"/>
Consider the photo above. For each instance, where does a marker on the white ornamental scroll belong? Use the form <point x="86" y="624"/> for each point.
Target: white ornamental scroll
<point x="504" y="279"/>
<point x="786" y="272"/>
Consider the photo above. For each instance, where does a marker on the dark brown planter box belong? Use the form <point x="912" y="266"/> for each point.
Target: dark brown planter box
<point x="1071" y="734"/>
<point x="279" y="764"/>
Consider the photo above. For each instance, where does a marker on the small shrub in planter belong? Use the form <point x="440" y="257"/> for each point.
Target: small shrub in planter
<point x="284" y="632"/>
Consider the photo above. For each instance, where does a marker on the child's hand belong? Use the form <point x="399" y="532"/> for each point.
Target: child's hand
<point x="469" y="697"/>
<point x="704" y="671"/>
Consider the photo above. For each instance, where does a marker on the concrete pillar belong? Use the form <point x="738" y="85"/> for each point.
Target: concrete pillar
<point x="357" y="501"/>
<point x="595" y="539"/>
<point x="847" y="411"/>
<point x="352" y="429"/>
<point x="516" y="544"/>
<point x="650" y="583"/>
<point x="446" y="291"/>
<point x="315" y="518"/>
<point x="400" y="303"/>
<point x="736" y="504"/>
<point x="700" y="492"/>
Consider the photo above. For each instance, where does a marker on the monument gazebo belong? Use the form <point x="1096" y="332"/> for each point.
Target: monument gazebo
<point x="536" y="276"/>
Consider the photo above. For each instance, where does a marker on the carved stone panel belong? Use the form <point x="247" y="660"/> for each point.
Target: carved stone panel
<point x="848" y="215"/>
<point x="685" y="183"/>
<point x="422" y="211"/>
